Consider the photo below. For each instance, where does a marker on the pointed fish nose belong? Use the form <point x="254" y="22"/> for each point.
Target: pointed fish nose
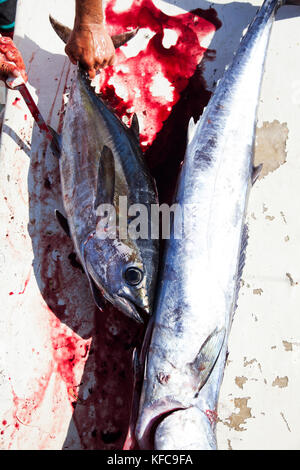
<point x="144" y="304"/>
<point x="188" y="429"/>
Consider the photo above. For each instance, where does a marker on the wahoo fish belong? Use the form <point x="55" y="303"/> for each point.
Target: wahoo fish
<point x="199" y="281"/>
<point x="101" y="162"/>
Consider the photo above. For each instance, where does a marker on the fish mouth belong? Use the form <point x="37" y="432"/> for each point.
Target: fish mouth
<point x="189" y="429"/>
<point x="131" y="309"/>
<point x="149" y="421"/>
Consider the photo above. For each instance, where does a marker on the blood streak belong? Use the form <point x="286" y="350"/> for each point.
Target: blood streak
<point x="70" y="354"/>
<point x="23" y="291"/>
<point x="212" y="416"/>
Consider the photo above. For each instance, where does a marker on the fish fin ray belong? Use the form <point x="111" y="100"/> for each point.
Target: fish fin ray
<point x="205" y="360"/>
<point x="106" y="178"/>
<point x="63" y="222"/>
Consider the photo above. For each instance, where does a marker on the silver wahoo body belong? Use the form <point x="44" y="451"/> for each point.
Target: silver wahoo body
<point x="200" y="276"/>
<point x="101" y="161"/>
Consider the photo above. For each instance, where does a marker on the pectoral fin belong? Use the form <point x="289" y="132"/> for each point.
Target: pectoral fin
<point x="106" y="178"/>
<point x="205" y="360"/>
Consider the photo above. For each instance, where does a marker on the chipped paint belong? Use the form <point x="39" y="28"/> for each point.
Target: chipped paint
<point x="270" y="147"/>
<point x="257" y="291"/>
<point x="287" y="345"/>
<point x="240" y="381"/>
<point x="236" y="420"/>
<point x="280" y="382"/>
<point x="249" y="363"/>
<point x="291" y="280"/>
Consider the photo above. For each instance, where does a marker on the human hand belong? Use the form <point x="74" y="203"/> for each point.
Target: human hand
<point x="11" y="62"/>
<point x="91" y="46"/>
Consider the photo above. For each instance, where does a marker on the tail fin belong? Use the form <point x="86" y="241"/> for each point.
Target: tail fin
<point x="64" y="33"/>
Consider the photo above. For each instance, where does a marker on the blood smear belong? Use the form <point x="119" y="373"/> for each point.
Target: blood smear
<point x="16" y="101"/>
<point x="163" y="85"/>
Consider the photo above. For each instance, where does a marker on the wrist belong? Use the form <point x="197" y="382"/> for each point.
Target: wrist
<point x="89" y="17"/>
<point x="85" y="24"/>
<point x="90" y="27"/>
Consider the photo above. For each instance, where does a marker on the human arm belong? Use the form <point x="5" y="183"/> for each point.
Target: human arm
<point x="89" y="43"/>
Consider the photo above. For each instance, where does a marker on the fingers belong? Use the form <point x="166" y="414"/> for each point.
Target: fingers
<point x="11" y="61"/>
<point x="7" y="70"/>
<point x="92" y="47"/>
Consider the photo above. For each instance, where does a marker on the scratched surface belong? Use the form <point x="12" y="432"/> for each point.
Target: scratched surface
<point x="65" y="370"/>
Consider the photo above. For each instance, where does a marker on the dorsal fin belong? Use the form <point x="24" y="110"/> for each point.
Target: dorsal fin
<point x="64" y="32"/>
<point x="106" y="178"/>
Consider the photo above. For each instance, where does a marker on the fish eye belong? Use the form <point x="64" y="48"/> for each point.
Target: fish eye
<point x="133" y="276"/>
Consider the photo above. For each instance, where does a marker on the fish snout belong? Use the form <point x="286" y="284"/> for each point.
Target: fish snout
<point x="149" y="420"/>
<point x="136" y="307"/>
<point x="136" y="302"/>
<point x="188" y="429"/>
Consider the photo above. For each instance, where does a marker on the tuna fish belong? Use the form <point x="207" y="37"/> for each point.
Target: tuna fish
<point x="101" y="162"/>
<point x="200" y="276"/>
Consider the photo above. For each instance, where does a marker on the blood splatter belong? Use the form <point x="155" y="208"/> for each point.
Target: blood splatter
<point x="212" y="416"/>
<point x="16" y="100"/>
